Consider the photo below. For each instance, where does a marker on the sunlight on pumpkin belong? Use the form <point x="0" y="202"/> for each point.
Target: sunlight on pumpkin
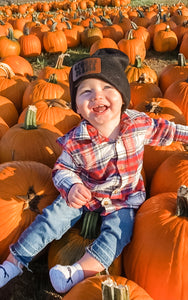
<point x="7" y="172"/>
<point x="49" y="150"/>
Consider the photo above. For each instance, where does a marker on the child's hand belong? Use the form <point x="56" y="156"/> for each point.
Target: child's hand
<point x="78" y="195"/>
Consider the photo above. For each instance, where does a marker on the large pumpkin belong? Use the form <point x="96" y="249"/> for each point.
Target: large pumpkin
<point x="26" y="187"/>
<point x="170" y="174"/>
<point x="177" y="92"/>
<point x="91" y="288"/>
<point x="31" y="141"/>
<point x="40" y="89"/>
<point x="157" y="257"/>
<point x="56" y="112"/>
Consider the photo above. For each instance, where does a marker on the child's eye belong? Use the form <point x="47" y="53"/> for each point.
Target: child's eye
<point x="108" y="86"/>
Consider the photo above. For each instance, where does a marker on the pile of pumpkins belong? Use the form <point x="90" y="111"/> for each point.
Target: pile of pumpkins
<point x="35" y="110"/>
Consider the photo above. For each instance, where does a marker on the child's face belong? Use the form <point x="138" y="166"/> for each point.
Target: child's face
<point x="98" y="102"/>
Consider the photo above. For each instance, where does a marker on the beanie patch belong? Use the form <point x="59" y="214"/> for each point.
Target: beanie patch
<point x="86" y="67"/>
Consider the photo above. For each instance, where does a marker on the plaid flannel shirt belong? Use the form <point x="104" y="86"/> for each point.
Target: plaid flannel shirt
<point x="111" y="170"/>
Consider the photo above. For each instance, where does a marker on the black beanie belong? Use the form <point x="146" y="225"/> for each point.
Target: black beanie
<point x="107" y="64"/>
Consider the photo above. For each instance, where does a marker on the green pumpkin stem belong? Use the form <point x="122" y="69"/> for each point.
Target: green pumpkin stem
<point x="112" y="291"/>
<point x="182" y="202"/>
<point x="90" y="225"/>
<point x="30" y="118"/>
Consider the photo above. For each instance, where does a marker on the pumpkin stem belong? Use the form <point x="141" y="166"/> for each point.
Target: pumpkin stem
<point x="182" y="202"/>
<point x="31" y="200"/>
<point x="59" y="63"/>
<point x="90" y="225"/>
<point x="30" y="118"/>
<point x="181" y="60"/>
<point x="112" y="291"/>
<point x="154" y="107"/>
<point x="7" y="69"/>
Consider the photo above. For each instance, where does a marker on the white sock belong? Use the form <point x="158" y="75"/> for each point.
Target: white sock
<point x="63" y="278"/>
<point x="8" y="271"/>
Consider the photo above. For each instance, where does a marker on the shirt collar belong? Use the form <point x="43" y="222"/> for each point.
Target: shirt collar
<point x="86" y="131"/>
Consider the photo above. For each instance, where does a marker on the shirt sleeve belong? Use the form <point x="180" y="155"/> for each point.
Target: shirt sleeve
<point x="162" y="133"/>
<point x="65" y="174"/>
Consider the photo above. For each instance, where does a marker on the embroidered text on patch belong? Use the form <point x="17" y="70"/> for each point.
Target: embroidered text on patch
<point x="86" y="67"/>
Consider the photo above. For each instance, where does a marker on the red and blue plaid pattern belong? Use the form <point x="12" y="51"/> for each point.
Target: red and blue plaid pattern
<point x="112" y="169"/>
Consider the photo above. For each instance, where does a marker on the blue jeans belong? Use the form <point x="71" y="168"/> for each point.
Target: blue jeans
<point x="56" y="219"/>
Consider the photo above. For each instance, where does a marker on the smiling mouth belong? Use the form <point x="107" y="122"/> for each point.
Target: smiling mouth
<point x="100" y="108"/>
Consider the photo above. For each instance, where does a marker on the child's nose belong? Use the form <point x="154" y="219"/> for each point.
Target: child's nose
<point x="97" y="95"/>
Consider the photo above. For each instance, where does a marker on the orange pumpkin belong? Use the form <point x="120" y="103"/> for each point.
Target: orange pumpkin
<point x="61" y="70"/>
<point x="56" y="112"/>
<point x="162" y="108"/>
<point x="18" y="64"/>
<point x="132" y="47"/>
<point x="91" y="288"/>
<point x="173" y="72"/>
<point x="26" y="187"/>
<point x="8" y="111"/>
<point x="31" y="141"/>
<point x="177" y="92"/>
<point x="165" y="40"/>
<point x="173" y="168"/>
<point x="142" y="90"/>
<point x="54" y="40"/>
<point x="9" y="45"/>
<point x="13" y="87"/>
<point x="103" y="43"/>
<point x="158" y="250"/>
<point x="3" y="127"/>
<point x="40" y="89"/>
<point x="136" y="70"/>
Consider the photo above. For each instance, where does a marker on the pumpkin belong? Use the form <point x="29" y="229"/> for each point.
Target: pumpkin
<point x="112" y="31"/>
<point x="142" y="33"/>
<point x="158" y="250"/>
<point x="132" y="46"/>
<point x="54" y="40"/>
<point x="8" y="111"/>
<point x="40" y="89"/>
<point x="165" y="40"/>
<point x="90" y="35"/>
<point x="3" y="127"/>
<point x="18" y="64"/>
<point x="173" y="72"/>
<point x="71" y="247"/>
<point x="13" y="86"/>
<point x="173" y="168"/>
<point x="154" y="156"/>
<point x="162" y="108"/>
<point x="31" y="141"/>
<point x="183" y="46"/>
<point x="102" y="43"/>
<point x="134" y="71"/>
<point x="72" y="36"/>
<point x="177" y="92"/>
<point x="9" y="45"/>
<point x="61" y="70"/>
<point x="142" y="90"/>
<point x="91" y="288"/>
<point x="30" y="44"/>
<point x="26" y="187"/>
<point x="56" y="112"/>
